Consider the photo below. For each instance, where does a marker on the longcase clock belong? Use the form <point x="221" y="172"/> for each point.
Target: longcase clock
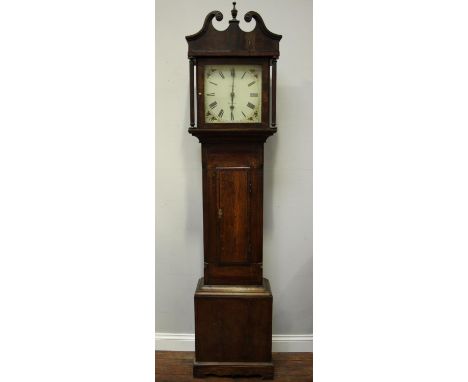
<point x="232" y="113"/>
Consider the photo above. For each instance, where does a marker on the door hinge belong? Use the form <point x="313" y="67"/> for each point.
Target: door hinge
<point x="220" y="213"/>
<point x="250" y="187"/>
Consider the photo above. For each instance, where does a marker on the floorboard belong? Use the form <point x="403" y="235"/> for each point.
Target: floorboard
<point x="177" y="367"/>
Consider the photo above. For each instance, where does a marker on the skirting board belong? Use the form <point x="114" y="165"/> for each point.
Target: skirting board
<point x="281" y="342"/>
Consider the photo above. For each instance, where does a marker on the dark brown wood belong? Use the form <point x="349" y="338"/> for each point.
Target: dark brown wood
<point x="205" y="369"/>
<point x="233" y="45"/>
<point x="192" y="91"/>
<point x="233" y="238"/>
<point x="233" y="42"/>
<point x="232" y="135"/>
<point x="233" y="302"/>
<point x="233" y="212"/>
<point x="249" y="274"/>
<point x="233" y="330"/>
<point x="178" y="367"/>
<point x="273" y="93"/>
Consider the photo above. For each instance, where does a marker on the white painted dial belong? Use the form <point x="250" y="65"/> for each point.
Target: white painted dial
<point x="233" y="93"/>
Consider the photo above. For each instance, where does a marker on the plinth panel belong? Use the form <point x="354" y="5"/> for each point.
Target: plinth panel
<point x="233" y="330"/>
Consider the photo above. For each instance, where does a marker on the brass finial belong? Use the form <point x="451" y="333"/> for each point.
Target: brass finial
<point x="234" y="10"/>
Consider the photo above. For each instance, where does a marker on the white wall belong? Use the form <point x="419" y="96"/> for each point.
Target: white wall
<point x="288" y="167"/>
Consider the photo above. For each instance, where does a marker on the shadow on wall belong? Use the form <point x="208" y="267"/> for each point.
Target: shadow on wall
<point x="191" y="150"/>
<point x="289" y="140"/>
<point x="288" y="159"/>
<point x="270" y="154"/>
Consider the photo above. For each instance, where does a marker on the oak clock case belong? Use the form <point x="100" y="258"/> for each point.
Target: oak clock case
<point x="232" y="101"/>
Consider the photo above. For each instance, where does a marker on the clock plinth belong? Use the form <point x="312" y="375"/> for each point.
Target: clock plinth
<point x="233" y="330"/>
<point x="233" y="81"/>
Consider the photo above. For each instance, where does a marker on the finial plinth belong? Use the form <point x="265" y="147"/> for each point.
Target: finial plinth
<point x="234" y="11"/>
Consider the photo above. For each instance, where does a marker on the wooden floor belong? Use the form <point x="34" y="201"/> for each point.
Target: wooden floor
<point x="177" y="366"/>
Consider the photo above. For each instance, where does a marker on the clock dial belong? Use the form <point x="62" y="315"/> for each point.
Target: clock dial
<point x="233" y="93"/>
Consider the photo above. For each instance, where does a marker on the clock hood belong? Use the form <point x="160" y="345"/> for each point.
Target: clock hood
<point x="233" y="41"/>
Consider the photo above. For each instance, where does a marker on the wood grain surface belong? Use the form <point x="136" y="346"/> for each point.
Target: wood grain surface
<point x="177" y="366"/>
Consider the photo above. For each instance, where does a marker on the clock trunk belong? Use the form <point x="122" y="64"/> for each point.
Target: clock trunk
<point x="233" y="212"/>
